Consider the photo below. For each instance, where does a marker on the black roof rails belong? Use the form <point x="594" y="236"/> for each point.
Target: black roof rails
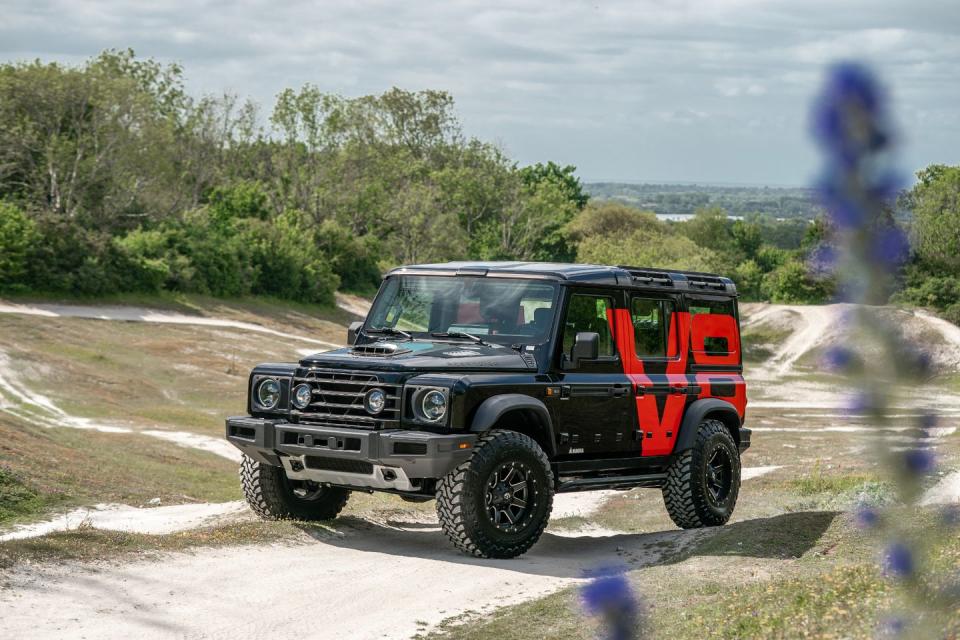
<point x="670" y="278"/>
<point x="649" y="276"/>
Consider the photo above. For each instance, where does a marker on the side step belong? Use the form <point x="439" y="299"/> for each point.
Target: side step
<point x="611" y="482"/>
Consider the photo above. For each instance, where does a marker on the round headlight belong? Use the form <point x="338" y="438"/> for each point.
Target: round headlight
<point x="433" y="405"/>
<point x="268" y="393"/>
<point x="302" y="395"/>
<point x="375" y="401"/>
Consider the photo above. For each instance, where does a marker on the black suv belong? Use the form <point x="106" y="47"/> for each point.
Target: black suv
<point x="492" y="386"/>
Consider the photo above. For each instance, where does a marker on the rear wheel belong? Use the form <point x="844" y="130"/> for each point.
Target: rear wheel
<point x="497" y="503"/>
<point x="703" y="482"/>
<point x="273" y="496"/>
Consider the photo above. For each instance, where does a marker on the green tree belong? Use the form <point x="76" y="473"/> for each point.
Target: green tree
<point x="17" y="235"/>
<point x="936" y="226"/>
<point x="647" y="248"/>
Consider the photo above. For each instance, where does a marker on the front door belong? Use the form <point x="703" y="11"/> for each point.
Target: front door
<point x="595" y="404"/>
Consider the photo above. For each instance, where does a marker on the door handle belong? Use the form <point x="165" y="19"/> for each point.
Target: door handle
<point x="619" y="392"/>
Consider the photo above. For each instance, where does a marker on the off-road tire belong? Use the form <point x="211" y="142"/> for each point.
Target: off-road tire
<point x="271" y="496"/>
<point x="461" y="496"/>
<point x="685" y="491"/>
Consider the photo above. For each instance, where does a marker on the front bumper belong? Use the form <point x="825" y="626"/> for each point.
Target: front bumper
<point x="394" y="459"/>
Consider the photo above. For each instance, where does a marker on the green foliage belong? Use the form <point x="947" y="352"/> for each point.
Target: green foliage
<point x="647" y="248"/>
<point x="936" y="209"/>
<point x="352" y="258"/>
<point x="113" y="179"/>
<point x="17" y="236"/>
<point x="792" y="283"/>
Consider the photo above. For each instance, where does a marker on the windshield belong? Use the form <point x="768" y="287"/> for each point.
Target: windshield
<point x="497" y="310"/>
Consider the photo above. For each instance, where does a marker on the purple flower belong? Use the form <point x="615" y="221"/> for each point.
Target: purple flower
<point x="866" y="517"/>
<point x="893" y="627"/>
<point x="609" y="594"/>
<point x="898" y="561"/>
<point x="890" y="247"/>
<point x="927" y="421"/>
<point x="845" y="115"/>
<point x="919" y="461"/>
<point x="837" y="358"/>
<point x="822" y="260"/>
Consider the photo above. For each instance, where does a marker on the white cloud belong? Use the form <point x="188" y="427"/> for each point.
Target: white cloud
<point x="621" y="88"/>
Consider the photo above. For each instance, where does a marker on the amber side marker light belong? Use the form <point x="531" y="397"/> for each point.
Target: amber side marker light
<point x="463" y="445"/>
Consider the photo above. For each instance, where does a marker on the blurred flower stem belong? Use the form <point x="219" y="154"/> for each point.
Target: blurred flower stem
<point x="883" y="368"/>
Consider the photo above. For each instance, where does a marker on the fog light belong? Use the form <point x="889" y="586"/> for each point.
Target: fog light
<point x="302" y="396"/>
<point x="375" y="401"/>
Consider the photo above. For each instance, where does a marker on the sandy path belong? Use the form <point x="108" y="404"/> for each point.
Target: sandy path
<point x="947" y="491"/>
<point x="361" y="581"/>
<point x="121" y="517"/>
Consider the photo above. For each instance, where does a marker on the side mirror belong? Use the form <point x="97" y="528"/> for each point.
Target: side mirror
<point x="586" y="346"/>
<point x="352" y="332"/>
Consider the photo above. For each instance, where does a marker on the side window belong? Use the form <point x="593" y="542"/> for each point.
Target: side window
<point x="593" y="314"/>
<point x="651" y="326"/>
<point x="714" y="327"/>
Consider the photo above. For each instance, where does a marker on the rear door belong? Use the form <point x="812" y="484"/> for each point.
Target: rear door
<point x="595" y="404"/>
<point x="654" y="342"/>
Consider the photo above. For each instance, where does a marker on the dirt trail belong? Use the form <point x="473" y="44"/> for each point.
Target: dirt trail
<point x="377" y="581"/>
<point x="121" y="517"/>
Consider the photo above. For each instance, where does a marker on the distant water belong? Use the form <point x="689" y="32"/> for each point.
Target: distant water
<point x="682" y="217"/>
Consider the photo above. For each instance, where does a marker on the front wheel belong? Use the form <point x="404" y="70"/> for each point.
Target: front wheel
<point x="273" y="496"/>
<point x="497" y="503"/>
<point x="703" y="482"/>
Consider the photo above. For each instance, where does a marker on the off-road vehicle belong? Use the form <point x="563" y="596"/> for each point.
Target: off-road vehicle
<point x="492" y="386"/>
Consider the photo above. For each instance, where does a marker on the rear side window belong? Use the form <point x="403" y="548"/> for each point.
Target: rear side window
<point x="651" y="323"/>
<point x="714" y="329"/>
<point x="593" y="314"/>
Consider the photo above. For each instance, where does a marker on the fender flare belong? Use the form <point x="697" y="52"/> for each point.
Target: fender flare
<point x="492" y="409"/>
<point x="697" y="412"/>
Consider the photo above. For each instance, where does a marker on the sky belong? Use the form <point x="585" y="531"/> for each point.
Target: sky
<point x="647" y="91"/>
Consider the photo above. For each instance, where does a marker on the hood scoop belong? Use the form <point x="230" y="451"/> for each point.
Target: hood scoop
<point x="379" y="349"/>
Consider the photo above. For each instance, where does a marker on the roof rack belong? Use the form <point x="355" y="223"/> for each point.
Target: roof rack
<point x="649" y="276"/>
<point x="665" y="277"/>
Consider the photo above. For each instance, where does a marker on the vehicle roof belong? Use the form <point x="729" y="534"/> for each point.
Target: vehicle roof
<point x="641" y="277"/>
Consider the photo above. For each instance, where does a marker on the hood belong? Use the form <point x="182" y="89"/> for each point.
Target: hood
<point x="418" y="355"/>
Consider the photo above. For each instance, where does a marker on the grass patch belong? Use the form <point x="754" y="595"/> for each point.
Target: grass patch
<point x="89" y="544"/>
<point x="67" y="467"/>
<point x="817" y="483"/>
<point x="17" y="500"/>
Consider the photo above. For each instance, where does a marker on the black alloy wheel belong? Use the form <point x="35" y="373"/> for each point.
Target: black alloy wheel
<point x="508" y="495"/>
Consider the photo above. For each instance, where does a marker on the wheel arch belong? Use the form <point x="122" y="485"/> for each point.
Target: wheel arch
<point x="704" y="409"/>
<point x="517" y="412"/>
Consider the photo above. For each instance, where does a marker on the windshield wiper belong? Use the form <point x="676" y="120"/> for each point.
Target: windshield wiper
<point x="458" y="334"/>
<point x="391" y="331"/>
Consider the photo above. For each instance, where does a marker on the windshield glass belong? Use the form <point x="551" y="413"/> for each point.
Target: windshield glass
<point x="497" y="310"/>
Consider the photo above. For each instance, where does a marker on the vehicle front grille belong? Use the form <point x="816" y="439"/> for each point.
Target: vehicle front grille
<point x="338" y="399"/>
